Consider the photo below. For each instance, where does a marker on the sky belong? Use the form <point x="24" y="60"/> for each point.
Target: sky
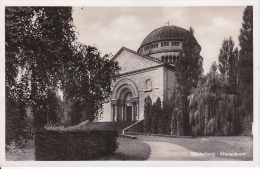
<point x="110" y="28"/>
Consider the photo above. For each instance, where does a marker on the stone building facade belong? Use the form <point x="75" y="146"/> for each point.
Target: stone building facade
<point x="149" y="71"/>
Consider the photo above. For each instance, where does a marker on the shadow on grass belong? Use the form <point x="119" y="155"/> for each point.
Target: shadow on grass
<point x="130" y="150"/>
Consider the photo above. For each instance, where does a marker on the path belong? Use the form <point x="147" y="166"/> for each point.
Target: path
<point x="170" y="151"/>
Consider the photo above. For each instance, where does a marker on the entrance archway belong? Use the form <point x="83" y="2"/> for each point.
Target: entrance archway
<point x="125" y="101"/>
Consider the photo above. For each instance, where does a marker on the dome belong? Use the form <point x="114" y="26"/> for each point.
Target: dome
<point x="165" y="33"/>
<point x="166" y="44"/>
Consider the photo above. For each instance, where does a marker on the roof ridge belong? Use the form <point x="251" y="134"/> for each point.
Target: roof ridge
<point x="132" y="51"/>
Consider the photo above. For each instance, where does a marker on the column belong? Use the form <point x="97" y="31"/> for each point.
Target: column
<point x="125" y="115"/>
<point x="133" y="110"/>
<point x="123" y="112"/>
<point x="137" y="111"/>
<point x="119" y="113"/>
<point x="115" y="113"/>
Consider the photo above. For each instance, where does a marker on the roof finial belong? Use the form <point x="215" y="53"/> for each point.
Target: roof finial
<point x="168" y="23"/>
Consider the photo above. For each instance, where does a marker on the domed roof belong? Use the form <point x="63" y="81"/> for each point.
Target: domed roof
<point x="165" y="33"/>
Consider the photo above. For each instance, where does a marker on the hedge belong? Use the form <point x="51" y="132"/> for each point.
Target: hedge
<point x="55" y="145"/>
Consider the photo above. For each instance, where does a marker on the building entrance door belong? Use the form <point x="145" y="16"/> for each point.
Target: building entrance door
<point x="128" y="113"/>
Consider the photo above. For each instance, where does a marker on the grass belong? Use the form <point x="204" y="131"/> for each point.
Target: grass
<point x="24" y="152"/>
<point x="238" y="144"/>
<point x="137" y="150"/>
<point x="130" y="150"/>
<point x="20" y="155"/>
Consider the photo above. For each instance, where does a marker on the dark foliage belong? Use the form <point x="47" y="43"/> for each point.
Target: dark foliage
<point x="222" y="104"/>
<point x="228" y="64"/>
<point x="147" y="114"/>
<point x="226" y="56"/>
<point x="189" y="69"/>
<point x="212" y="108"/>
<point x="54" y="145"/>
<point x="38" y="43"/>
<point x="162" y="126"/>
<point x="88" y="83"/>
<point x="41" y="57"/>
<point x="245" y="66"/>
<point x="156" y="113"/>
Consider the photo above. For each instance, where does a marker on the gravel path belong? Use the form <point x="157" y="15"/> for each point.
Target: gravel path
<point x="169" y="151"/>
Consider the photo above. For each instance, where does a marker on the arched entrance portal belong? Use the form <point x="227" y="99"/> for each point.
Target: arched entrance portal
<point x="124" y="101"/>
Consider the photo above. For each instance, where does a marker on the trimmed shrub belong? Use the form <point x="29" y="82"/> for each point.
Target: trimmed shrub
<point x="56" y="145"/>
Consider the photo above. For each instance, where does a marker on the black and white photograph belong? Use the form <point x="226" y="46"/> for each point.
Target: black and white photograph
<point x="113" y="83"/>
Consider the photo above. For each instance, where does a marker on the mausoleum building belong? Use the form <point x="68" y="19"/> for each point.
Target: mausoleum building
<point x="149" y="71"/>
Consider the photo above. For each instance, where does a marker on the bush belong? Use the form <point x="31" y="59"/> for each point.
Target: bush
<point x="56" y="145"/>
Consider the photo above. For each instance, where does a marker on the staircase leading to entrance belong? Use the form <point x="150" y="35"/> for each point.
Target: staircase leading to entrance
<point x="119" y="126"/>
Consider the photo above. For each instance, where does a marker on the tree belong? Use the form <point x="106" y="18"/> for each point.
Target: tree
<point x="89" y="78"/>
<point x="226" y="56"/>
<point x="176" y="116"/>
<point x="147" y="114"/>
<point x="39" y="42"/>
<point x="156" y="112"/>
<point x="188" y="71"/>
<point x="17" y="21"/>
<point x="212" y="110"/>
<point x="163" y="120"/>
<point x="246" y="51"/>
<point x="41" y="55"/>
<point x="228" y="64"/>
<point x="246" y="69"/>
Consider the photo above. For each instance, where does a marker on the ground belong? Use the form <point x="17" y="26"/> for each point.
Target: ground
<point x="227" y="144"/>
<point x="160" y="148"/>
<point x="130" y="150"/>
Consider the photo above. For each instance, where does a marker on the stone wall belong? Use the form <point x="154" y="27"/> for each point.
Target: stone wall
<point x="138" y="70"/>
<point x="157" y="79"/>
<point x="129" y="61"/>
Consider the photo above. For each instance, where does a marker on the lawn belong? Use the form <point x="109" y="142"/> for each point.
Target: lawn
<point x="228" y="144"/>
<point x="137" y="150"/>
<point x="130" y="150"/>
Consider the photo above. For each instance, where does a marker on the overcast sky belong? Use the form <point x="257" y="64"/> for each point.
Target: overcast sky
<point x="110" y="28"/>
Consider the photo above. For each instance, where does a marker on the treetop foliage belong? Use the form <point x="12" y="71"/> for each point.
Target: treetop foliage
<point x="246" y="32"/>
<point x="42" y="58"/>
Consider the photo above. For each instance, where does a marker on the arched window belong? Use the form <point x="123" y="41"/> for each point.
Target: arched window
<point x="148" y="84"/>
<point x="166" y="59"/>
<point x="170" y="59"/>
<point x="163" y="58"/>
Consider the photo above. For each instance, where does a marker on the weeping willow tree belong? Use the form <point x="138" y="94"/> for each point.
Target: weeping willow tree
<point x="212" y="110"/>
<point x="175" y="109"/>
